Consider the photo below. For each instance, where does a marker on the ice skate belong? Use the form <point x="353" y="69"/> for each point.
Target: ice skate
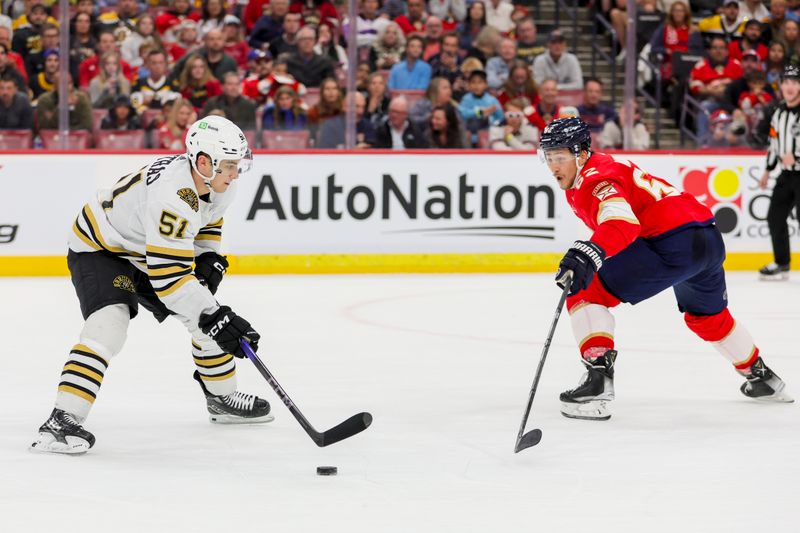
<point x="62" y="433"/>
<point x="774" y="272"/>
<point x="235" y="408"/>
<point x="589" y="400"/>
<point x="764" y="385"/>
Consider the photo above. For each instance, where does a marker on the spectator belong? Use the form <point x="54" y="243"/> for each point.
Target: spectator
<point x="396" y="131"/>
<point x="611" y="136"/>
<point x="448" y="10"/>
<point x="388" y="48"/>
<point x="498" y="15"/>
<point x="753" y="102"/>
<point x="593" y="111"/>
<point x="413" y="73"/>
<point x="676" y="34"/>
<point x="286" y="42"/>
<point x="305" y="66"/>
<point x="519" y="84"/>
<point x="547" y="108"/>
<point x="439" y="93"/>
<point x="261" y="68"/>
<point x="268" y="27"/>
<point x="485" y="44"/>
<point x="121" y="20"/>
<point x="648" y="19"/>
<point x="790" y="37"/>
<point x="558" y="64"/>
<point x="34" y="62"/>
<point x="478" y="108"/>
<point x="777" y="14"/>
<point x="433" y="38"/>
<point x="286" y="113"/>
<point x="377" y="98"/>
<point x="528" y="45"/>
<point x="751" y="40"/>
<point x="212" y="16"/>
<point x="235" y="45"/>
<point x="473" y="24"/>
<point x="80" y="110"/>
<point x="90" y="67"/>
<point x="172" y="135"/>
<point x="214" y="55"/>
<point x="516" y="133"/>
<point x="753" y="10"/>
<point x="110" y="83"/>
<point x="362" y="76"/>
<point x="368" y="23"/>
<point x="728" y="24"/>
<point x="327" y="47"/>
<point x="144" y="32"/>
<point x="265" y="87"/>
<point x="331" y="102"/>
<point x="82" y="42"/>
<point x="497" y="68"/>
<point x="196" y="82"/>
<point x="155" y="89"/>
<point x="331" y="132"/>
<point x="722" y="133"/>
<point x="316" y="12"/>
<point x="8" y="70"/>
<point x="414" y="20"/>
<point x="775" y="63"/>
<point x="168" y="21"/>
<point x="393" y="8"/>
<point x="709" y="79"/>
<point x="27" y="33"/>
<point x="733" y="92"/>
<point x="255" y="9"/>
<point x="121" y="116"/>
<point x="235" y="107"/>
<point x="187" y="41"/>
<point x="443" y="126"/>
<point x="45" y="81"/>
<point x="447" y="63"/>
<point x="16" y="112"/>
<point x="13" y="57"/>
<point x="618" y="16"/>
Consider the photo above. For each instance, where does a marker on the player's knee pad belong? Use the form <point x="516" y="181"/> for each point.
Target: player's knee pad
<point x="595" y="293"/>
<point x="711" y="328"/>
<point x="106" y="329"/>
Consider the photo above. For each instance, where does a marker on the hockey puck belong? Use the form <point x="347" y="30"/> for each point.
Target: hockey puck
<point x="327" y="470"/>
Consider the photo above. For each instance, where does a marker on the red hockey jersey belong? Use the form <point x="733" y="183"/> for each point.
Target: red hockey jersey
<point x="620" y="202"/>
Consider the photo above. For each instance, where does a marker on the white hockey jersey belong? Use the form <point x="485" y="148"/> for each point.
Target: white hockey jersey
<point x="155" y="219"/>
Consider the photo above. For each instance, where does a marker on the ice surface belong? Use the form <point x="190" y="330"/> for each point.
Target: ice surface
<point x="444" y="363"/>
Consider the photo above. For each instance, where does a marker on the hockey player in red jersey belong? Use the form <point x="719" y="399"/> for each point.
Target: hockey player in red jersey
<point x="647" y="237"/>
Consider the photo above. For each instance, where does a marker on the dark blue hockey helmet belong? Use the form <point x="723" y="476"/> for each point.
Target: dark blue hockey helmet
<point x="571" y="133"/>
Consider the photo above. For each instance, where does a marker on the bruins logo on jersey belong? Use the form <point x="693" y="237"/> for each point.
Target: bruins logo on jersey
<point x="124" y="283"/>
<point x="190" y="197"/>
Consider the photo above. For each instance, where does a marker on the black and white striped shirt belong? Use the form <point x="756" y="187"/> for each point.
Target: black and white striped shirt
<point x="783" y="134"/>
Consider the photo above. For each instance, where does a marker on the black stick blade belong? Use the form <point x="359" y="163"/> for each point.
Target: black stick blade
<point x="529" y="439"/>
<point x="352" y="426"/>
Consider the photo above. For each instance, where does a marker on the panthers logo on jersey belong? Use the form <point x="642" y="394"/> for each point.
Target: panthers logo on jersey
<point x="190" y="197"/>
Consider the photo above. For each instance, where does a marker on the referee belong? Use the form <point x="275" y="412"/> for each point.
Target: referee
<point x="783" y="149"/>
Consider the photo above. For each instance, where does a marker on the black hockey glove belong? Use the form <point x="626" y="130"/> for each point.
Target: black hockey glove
<point x="584" y="259"/>
<point x="227" y="329"/>
<point x="209" y="269"/>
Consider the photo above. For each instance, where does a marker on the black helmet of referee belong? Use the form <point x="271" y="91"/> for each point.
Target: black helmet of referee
<point x="790" y="72"/>
<point x="571" y="133"/>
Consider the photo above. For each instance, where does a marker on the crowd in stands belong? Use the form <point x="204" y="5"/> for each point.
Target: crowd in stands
<point x="430" y="74"/>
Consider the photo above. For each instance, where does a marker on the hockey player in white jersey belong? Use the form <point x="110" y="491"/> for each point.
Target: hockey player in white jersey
<point x="135" y="244"/>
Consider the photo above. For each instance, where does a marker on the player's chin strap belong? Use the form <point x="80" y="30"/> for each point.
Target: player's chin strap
<point x="578" y="165"/>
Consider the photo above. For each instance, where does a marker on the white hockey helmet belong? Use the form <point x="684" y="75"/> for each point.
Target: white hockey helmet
<point x="219" y="139"/>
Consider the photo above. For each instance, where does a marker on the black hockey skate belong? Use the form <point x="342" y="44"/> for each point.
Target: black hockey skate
<point x="774" y="271"/>
<point x="764" y="385"/>
<point x="236" y="408"/>
<point x="589" y="400"/>
<point x="62" y="433"/>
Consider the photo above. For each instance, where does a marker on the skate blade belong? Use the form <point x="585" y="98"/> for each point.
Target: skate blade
<point x="777" y="277"/>
<point x="594" y="410"/>
<point x="778" y="397"/>
<point x="46" y="443"/>
<point x="230" y="419"/>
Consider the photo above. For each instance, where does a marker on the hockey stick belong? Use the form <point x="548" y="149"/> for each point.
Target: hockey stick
<point x="533" y="437"/>
<point x="353" y="425"/>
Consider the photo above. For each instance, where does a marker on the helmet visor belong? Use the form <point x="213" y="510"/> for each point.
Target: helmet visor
<point x="246" y="163"/>
<point x="555" y="156"/>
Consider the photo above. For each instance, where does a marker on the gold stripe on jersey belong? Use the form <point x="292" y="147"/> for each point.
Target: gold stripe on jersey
<point x="133" y="179"/>
<point x="177" y="254"/>
<point x="220" y="377"/>
<point x="77" y="391"/>
<point x="208" y="237"/>
<point x="217" y="224"/>
<point x="196" y="346"/>
<point x="215" y="361"/>
<point x="94" y="228"/>
<point x="83" y="237"/>
<point x="174" y="286"/>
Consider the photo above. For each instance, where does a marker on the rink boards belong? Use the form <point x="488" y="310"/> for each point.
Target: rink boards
<point x="378" y="212"/>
